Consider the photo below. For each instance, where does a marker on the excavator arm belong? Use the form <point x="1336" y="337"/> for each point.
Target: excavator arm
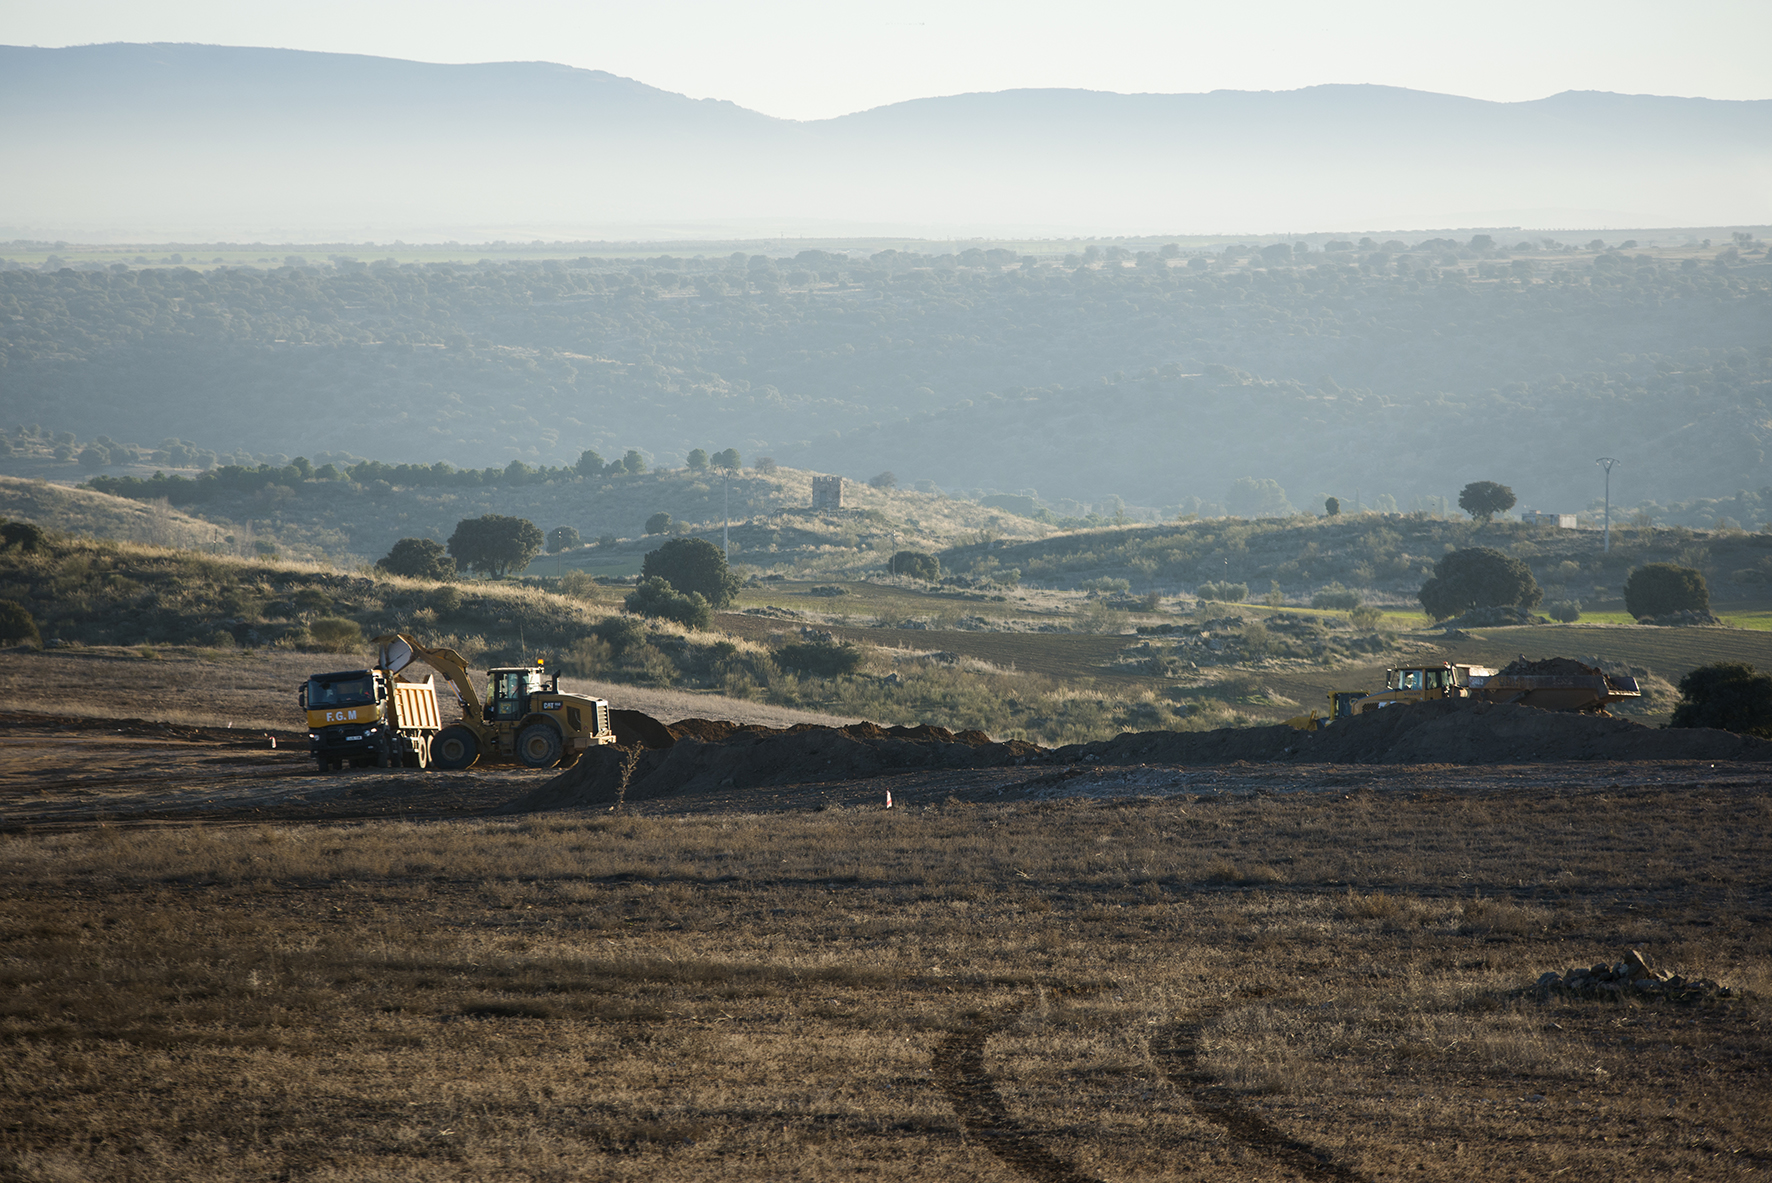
<point x="397" y="651"/>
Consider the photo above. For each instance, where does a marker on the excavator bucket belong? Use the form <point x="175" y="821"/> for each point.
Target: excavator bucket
<point x="396" y="655"/>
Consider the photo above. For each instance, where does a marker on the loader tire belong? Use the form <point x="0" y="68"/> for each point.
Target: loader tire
<point x="539" y="745"/>
<point x="455" y="748"/>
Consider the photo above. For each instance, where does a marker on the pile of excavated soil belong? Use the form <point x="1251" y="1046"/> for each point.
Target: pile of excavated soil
<point x="1555" y="667"/>
<point x="703" y="755"/>
<point x="1449" y="731"/>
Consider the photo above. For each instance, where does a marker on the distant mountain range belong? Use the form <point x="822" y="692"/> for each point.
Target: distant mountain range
<point x="197" y="142"/>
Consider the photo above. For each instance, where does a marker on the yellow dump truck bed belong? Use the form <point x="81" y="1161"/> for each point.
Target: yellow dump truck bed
<point x="415" y="705"/>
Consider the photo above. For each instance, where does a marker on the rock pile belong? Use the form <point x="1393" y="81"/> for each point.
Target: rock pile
<point x="1560" y="667"/>
<point x="1632" y="977"/>
<point x="1690" y="618"/>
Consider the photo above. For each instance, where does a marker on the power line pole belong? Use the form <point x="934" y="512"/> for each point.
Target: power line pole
<point x="726" y="527"/>
<point x="1607" y="462"/>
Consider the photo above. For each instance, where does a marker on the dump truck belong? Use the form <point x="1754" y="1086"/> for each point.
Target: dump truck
<point x="1571" y="687"/>
<point x="370" y="717"/>
<point x="523" y="715"/>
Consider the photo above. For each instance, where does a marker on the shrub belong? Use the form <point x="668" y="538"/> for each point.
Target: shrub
<point x="693" y="565"/>
<point x="443" y="600"/>
<point x="659" y="523"/>
<point x="1108" y="583"/>
<point x="24" y="535"/>
<point x="917" y="564"/>
<point x="1660" y="588"/>
<point x="1729" y="695"/>
<point x="418" y="558"/>
<point x="1336" y="597"/>
<point x="16" y="625"/>
<point x="1366" y="617"/>
<point x="827" y="589"/>
<point x="657" y="598"/>
<point x="1229" y="593"/>
<point x="821" y="659"/>
<point x="335" y="634"/>
<point x="1567" y="611"/>
<point x="1478" y="577"/>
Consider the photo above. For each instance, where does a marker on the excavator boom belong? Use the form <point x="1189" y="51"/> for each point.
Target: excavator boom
<point x="397" y="651"/>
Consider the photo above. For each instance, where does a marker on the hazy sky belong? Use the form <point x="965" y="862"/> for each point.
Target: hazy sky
<point x="811" y="59"/>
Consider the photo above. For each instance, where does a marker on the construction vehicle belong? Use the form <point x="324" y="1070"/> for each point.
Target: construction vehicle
<point x="1341" y="706"/>
<point x="364" y="717"/>
<point x="522" y="717"/>
<point x="1590" y="691"/>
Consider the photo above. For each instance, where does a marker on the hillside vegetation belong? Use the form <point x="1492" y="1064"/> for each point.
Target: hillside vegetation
<point x="1389" y="369"/>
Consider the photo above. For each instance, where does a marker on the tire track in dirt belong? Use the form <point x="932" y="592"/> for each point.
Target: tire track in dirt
<point x="959" y="1066"/>
<point x="1177" y="1049"/>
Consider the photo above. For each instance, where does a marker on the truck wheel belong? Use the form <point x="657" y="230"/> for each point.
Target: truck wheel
<point x="324" y="761"/>
<point x="539" y="745"/>
<point x="455" y="748"/>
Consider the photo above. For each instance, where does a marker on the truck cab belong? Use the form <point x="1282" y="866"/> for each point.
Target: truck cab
<point x="345" y="715"/>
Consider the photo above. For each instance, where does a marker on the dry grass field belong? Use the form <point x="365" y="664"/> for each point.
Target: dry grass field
<point x="1331" y="984"/>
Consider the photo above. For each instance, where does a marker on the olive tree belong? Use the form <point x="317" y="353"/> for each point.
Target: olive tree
<point x="1484" y="499"/>
<point x="495" y="544"/>
<point x="1658" y="589"/>
<point x="1729" y="695"/>
<point x="693" y="565"/>
<point x="562" y="538"/>
<point x="1478" y="577"/>
<point x="418" y="558"/>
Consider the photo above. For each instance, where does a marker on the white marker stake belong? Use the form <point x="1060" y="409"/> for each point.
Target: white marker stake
<point x="889" y="798"/>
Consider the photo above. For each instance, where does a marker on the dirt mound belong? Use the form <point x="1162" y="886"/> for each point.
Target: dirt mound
<point x="634" y="729"/>
<point x="755" y="757"/>
<point x="1444" y="732"/>
<point x="1558" y="667"/>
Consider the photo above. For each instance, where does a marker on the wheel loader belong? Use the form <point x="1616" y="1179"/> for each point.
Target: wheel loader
<point x="523" y="716"/>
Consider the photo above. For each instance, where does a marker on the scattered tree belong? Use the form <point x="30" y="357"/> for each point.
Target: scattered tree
<point x="1224" y="592"/>
<point x="605" y="541"/>
<point x="765" y="465"/>
<point x="694" y="565"/>
<point x="659" y="523"/>
<point x="655" y="597"/>
<point x="917" y="564"/>
<point x="590" y="464"/>
<point x="633" y="463"/>
<point x="418" y="558"/>
<point x="1729" y="695"/>
<point x="562" y="538"/>
<point x="1336" y="598"/>
<point x="1332" y="506"/>
<point x="821" y="659"/>
<point x="1251" y="498"/>
<point x="1478" y="577"/>
<point x="883" y="481"/>
<point x="728" y="459"/>
<point x="698" y="460"/>
<point x="495" y="544"/>
<point x="1659" y="589"/>
<point x="16" y="625"/>
<point x="1485" y="499"/>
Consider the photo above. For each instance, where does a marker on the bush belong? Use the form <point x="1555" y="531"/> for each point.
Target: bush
<point x="657" y="598"/>
<point x="659" y="523"/>
<point x="693" y="565"/>
<point x="917" y="564"/>
<point x="1478" y="577"/>
<point x="16" y="625"/>
<point x="1566" y="611"/>
<point x="1337" y="598"/>
<point x="24" y="535"/>
<point x="1366" y="617"/>
<point x="1107" y="583"/>
<point x="1729" y="695"/>
<point x="418" y="558"/>
<point x="822" y="659"/>
<point x="335" y="634"/>
<point x="443" y="600"/>
<point x="1661" y="588"/>
<point x="1229" y="593"/>
<point x="827" y="589"/>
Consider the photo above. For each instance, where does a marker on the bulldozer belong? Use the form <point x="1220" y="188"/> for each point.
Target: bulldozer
<point x="523" y="716"/>
<point x="1341" y="706"/>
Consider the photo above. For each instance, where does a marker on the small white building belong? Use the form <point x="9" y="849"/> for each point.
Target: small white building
<point x="1562" y="521"/>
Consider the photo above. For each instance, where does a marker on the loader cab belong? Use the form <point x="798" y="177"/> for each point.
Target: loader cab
<point x="508" y="692"/>
<point x="1341" y="703"/>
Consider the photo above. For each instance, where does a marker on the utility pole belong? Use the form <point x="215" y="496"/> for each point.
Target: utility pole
<point x="1606" y="462"/>
<point x="726" y="526"/>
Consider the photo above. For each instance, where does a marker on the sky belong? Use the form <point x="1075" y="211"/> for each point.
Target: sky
<point x="816" y="59"/>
